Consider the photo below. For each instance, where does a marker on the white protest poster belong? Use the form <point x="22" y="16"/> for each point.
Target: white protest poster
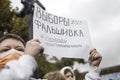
<point x="60" y="36"/>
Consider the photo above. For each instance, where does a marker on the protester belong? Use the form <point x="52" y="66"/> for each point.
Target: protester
<point x="94" y="72"/>
<point x="17" y="59"/>
<point x="68" y="72"/>
<point x="55" y="75"/>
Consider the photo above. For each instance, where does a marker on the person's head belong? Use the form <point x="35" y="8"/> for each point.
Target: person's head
<point x="55" y="75"/>
<point x="68" y="73"/>
<point x="11" y="47"/>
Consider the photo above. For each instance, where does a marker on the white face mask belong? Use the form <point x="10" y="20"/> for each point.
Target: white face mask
<point x="11" y="51"/>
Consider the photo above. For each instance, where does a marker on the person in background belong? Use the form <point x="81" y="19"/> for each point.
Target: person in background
<point x="55" y="75"/>
<point x="17" y="59"/>
<point x="68" y="72"/>
<point x="94" y="72"/>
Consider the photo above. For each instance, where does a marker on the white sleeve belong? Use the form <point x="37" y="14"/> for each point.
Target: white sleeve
<point x="20" y="69"/>
<point x="93" y="74"/>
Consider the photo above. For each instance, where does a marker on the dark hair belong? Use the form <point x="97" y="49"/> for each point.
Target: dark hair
<point x="13" y="36"/>
<point x="67" y="70"/>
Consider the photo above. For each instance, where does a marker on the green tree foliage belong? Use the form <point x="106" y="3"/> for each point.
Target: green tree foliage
<point x="5" y="16"/>
<point x="79" y="76"/>
<point x="10" y="23"/>
<point x="20" y="27"/>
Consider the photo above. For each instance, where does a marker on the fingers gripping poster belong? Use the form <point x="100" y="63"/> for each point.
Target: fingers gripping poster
<point x="60" y="36"/>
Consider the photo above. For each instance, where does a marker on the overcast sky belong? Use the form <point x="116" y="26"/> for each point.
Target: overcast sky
<point x="103" y="18"/>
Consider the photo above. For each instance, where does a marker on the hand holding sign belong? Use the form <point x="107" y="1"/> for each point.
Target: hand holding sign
<point x="95" y="58"/>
